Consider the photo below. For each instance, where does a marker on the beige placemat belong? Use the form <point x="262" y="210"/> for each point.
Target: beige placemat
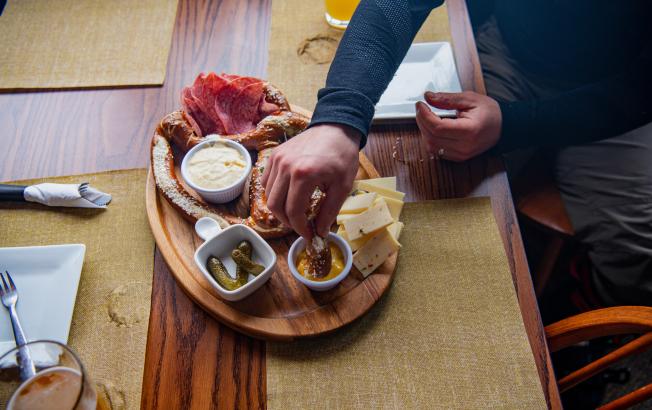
<point x="109" y="326"/>
<point x="449" y="333"/>
<point x="302" y="46"/>
<point x="85" y="43"/>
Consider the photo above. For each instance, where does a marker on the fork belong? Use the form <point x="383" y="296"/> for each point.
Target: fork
<point x="9" y="296"/>
<point x="90" y="194"/>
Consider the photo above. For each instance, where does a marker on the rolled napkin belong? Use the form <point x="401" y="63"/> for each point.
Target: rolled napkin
<point x="68" y="195"/>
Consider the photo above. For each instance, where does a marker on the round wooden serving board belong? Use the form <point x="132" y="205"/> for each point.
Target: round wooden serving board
<point x="283" y="308"/>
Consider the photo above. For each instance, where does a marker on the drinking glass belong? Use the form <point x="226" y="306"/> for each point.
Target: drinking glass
<point x="60" y="382"/>
<point x="339" y="12"/>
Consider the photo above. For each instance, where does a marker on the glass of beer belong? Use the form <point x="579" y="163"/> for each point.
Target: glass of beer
<point x="339" y="12"/>
<point x="60" y="381"/>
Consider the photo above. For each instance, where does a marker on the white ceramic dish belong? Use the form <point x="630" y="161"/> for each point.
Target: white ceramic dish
<point x="300" y="245"/>
<point x="426" y="67"/>
<point x="222" y="195"/>
<point x="46" y="278"/>
<point x="220" y="243"/>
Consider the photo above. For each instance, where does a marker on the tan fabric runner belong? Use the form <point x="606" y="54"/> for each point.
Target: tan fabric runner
<point x="449" y="333"/>
<point x="85" y="43"/>
<point x="302" y="46"/>
<point x="109" y="327"/>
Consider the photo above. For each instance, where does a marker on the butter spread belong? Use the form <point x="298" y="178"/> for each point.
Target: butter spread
<point x="216" y="166"/>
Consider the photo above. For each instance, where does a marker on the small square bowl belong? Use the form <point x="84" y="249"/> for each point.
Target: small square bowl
<point x="220" y="243"/>
<point x="300" y="245"/>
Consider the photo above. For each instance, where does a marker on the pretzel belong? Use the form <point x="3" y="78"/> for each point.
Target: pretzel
<point x="178" y="128"/>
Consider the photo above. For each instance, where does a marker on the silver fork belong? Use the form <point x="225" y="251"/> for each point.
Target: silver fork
<point x="9" y="296"/>
<point x="101" y="200"/>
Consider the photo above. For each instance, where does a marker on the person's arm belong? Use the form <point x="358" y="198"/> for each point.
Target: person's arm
<point x="373" y="46"/>
<point x="326" y="154"/>
<point x="594" y="112"/>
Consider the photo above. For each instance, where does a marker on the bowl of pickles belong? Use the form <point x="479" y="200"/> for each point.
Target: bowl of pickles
<point x="235" y="260"/>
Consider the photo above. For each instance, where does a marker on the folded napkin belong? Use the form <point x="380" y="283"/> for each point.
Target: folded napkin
<point x="67" y="195"/>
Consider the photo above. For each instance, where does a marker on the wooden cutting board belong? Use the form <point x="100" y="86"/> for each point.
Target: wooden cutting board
<point x="283" y="308"/>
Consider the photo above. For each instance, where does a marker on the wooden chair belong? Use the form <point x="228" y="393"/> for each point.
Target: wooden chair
<point x="613" y="321"/>
<point x="539" y="203"/>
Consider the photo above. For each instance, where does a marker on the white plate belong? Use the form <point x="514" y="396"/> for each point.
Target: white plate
<point x="46" y="278"/>
<point x="426" y="67"/>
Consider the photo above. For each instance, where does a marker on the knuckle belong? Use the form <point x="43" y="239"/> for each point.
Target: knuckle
<point x="465" y="152"/>
<point x="303" y="170"/>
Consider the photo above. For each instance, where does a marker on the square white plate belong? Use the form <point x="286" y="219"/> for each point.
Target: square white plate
<point x="426" y="67"/>
<point x="46" y="278"/>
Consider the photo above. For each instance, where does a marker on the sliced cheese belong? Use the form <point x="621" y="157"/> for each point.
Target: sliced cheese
<point x="394" y="205"/>
<point x="358" y="203"/>
<point x="395" y="229"/>
<point x="386" y="182"/>
<point x="389" y="193"/>
<point x="371" y="220"/>
<point x="343" y="217"/>
<point x="373" y="253"/>
<point x="355" y="245"/>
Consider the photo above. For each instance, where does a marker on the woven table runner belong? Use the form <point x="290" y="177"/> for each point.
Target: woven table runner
<point x="85" y="43"/>
<point x="302" y="46"/>
<point x="109" y="325"/>
<point x="449" y="333"/>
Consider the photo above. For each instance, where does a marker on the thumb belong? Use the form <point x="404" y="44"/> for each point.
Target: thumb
<point x="329" y="210"/>
<point x="449" y="101"/>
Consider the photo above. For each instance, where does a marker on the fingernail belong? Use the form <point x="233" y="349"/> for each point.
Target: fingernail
<point x="430" y="94"/>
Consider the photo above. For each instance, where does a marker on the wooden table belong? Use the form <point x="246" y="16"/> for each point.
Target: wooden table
<point x="193" y="361"/>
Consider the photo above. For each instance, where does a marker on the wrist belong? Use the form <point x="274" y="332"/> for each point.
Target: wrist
<point x="335" y="129"/>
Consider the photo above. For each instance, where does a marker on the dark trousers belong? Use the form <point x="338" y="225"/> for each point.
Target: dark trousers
<point x="606" y="185"/>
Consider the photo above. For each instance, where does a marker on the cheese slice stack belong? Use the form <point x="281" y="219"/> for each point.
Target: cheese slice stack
<point x="369" y="222"/>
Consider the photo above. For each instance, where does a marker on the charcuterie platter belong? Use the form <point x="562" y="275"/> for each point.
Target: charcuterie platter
<point x="281" y="307"/>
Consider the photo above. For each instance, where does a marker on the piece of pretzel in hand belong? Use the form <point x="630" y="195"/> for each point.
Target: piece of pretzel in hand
<point x="318" y="250"/>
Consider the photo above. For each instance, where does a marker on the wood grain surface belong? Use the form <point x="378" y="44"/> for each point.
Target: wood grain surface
<point x="193" y="361"/>
<point x="283" y="309"/>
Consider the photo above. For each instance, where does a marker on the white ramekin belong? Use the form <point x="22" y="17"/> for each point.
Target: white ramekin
<point x="222" y="195"/>
<point x="300" y="245"/>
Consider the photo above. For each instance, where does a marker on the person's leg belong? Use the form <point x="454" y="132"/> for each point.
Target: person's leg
<point x="607" y="191"/>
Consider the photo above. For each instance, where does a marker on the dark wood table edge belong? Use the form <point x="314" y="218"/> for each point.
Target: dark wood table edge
<point x="470" y="72"/>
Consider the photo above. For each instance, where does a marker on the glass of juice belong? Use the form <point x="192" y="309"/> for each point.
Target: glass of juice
<point x="339" y="12"/>
<point x="60" y="381"/>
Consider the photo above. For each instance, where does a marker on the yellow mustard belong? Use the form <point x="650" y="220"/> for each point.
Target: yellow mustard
<point x="337" y="264"/>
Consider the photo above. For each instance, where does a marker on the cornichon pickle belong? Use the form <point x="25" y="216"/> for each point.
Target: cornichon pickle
<point x="221" y="275"/>
<point x="241" y="274"/>
<point x="242" y="258"/>
<point x="245" y="247"/>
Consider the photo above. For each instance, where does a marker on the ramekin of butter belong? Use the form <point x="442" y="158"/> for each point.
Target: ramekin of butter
<point x="332" y="279"/>
<point x="217" y="169"/>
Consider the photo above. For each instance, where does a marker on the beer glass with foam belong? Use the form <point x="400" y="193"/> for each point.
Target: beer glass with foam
<point x="60" y="382"/>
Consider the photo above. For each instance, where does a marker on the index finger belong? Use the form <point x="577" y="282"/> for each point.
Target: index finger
<point x="329" y="209"/>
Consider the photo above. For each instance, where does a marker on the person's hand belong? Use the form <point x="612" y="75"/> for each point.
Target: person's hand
<point x="476" y="128"/>
<point x="324" y="156"/>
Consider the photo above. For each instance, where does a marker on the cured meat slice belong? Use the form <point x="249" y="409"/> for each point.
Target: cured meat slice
<point x="226" y="104"/>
